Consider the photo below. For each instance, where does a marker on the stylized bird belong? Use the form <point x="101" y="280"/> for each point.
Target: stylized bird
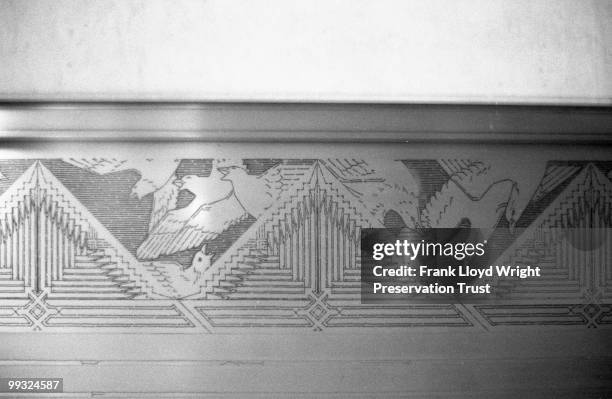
<point x="256" y="193"/>
<point x="458" y="214"/>
<point x="453" y="207"/>
<point x="201" y="262"/>
<point x="476" y="178"/>
<point x="156" y="176"/>
<point x="188" y="281"/>
<point x="383" y="185"/>
<point x="188" y="227"/>
<point x="213" y="209"/>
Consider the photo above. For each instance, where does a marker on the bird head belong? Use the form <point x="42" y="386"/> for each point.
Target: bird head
<point x="231" y="173"/>
<point x="201" y="261"/>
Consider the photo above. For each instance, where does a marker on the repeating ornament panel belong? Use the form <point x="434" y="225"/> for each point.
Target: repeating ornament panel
<point x="220" y="245"/>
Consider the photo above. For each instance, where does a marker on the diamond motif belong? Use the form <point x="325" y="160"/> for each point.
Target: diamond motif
<point x="318" y="312"/>
<point x="591" y="310"/>
<point x="38" y="311"/>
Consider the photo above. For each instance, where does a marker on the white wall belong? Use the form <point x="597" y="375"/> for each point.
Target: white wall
<point x="534" y="51"/>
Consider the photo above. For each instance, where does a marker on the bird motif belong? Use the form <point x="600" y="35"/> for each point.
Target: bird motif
<point x="156" y="176"/>
<point x="185" y="281"/>
<point x="201" y="262"/>
<point x="255" y="193"/>
<point x="383" y="185"/>
<point x="452" y="207"/>
<point x="519" y="176"/>
<point x="223" y="199"/>
<point x="454" y="214"/>
<point x="213" y="210"/>
<point x="189" y="227"/>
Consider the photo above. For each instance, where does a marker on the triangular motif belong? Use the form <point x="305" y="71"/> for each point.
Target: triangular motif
<point x="49" y="242"/>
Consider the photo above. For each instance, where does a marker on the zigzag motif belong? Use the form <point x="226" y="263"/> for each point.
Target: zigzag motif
<point x="57" y="203"/>
<point x="585" y="203"/>
<point x="297" y="204"/>
<point x="577" y="209"/>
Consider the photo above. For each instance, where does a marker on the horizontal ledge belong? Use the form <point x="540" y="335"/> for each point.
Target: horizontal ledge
<point x="305" y="136"/>
<point x="307" y="122"/>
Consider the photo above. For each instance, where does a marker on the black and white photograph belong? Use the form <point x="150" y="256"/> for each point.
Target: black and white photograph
<point x="305" y="199"/>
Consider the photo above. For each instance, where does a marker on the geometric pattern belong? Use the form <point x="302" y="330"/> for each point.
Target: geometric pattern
<point x="571" y="242"/>
<point x="296" y="266"/>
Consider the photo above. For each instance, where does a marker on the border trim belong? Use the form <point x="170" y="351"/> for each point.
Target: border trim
<point x="304" y="122"/>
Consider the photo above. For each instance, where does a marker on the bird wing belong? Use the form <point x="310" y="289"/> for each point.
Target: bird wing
<point x="350" y="170"/>
<point x="164" y="200"/>
<point x="187" y="228"/>
<point x="452" y="166"/>
<point x="477" y="177"/>
<point x="404" y="202"/>
<point x="388" y="170"/>
<point x="382" y="197"/>
<point x="452" y="206"/>
<point x="398" y="178"/>
<point x="472" y="176"/>
<point x="100" y="166"/>
<point x="437" y="211"/>
<point x="154" y="171"/>
<point x="273" y="175"/>
<point x="273" y="182"/>
<point x="382" y="184"/>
